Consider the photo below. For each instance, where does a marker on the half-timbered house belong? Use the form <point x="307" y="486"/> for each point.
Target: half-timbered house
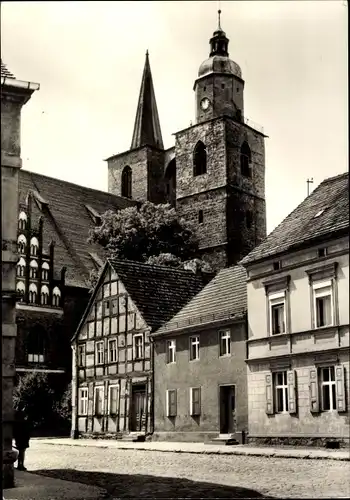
<point x="112" y="349"/>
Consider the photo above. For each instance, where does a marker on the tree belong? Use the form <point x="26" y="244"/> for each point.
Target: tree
<point x="34" y="397"/>
<point x="138" y="234"/>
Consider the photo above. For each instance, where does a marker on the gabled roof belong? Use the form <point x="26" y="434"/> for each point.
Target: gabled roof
<point x="147" y="127"/>
<point x="5" y="72"/>
<point x="67" y="221"/>
<point x="223" y="298"/>
<point x="322" y="214"/>
<point x="158" y="292"/>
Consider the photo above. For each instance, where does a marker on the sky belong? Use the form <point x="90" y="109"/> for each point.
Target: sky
<point x="88" y="58"/>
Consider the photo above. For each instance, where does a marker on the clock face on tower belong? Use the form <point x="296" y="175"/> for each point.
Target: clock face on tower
<point x="205" y="103"/>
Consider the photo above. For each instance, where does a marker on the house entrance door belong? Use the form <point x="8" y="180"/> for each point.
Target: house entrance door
<point x="138" y="408"/>
<point x="227" y="409"/>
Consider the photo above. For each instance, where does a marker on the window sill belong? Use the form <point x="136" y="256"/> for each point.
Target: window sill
<point x="225" y="356"/>
<point x="172" y="363"/>
<point x="193" y="360"/>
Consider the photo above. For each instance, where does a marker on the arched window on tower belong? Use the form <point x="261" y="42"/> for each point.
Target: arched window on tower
<point x="21" y="265"/>
<point x="56" y="297"/>
<point x="34" y="246"/>
<point x="33" y="272"/>
<point x="36" y="345"/>
<point x="246" y="158"/>
<point x="170" y="182"/>
<point x="45" y="271"/>
<point x="22" y="220"/>
<point x="21" y="242"/>
<point x="199" y="159"/>
<point x="20" y="288"/>
<point x="127" y="182"/>
<point x="44" y="295"/>
<point x="33" y="291"/>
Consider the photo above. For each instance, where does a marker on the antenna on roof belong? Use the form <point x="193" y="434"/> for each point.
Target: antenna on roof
<point x="308" y="182"/>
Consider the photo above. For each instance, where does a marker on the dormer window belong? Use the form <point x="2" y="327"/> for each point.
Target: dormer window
<point x="44" y="295"/>
<point x="199" y="159"/>
<point x="45" y="271"/>
<point x="56" y="297"/>
<point x="33" y="273"/>
<point x="21" y="267"/>
<point x="34" y="246"/>
<point x="95" y="216"/>
<point x="246" y="158"/>
<point x="33" y="291"/>
<point x="21" y="242"/>
<point x="22" y="220"/>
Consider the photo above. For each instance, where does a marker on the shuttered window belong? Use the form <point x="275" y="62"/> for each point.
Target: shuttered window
<point x="195" y="401"/>
<point x="171" y="403"/>
<point x="327" y="389"/>
<point x="281" y="392"/>
<point x="113" y="399"/>
<point x="99" y="400"/>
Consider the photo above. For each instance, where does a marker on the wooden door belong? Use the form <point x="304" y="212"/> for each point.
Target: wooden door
<point x="138" y="408"/>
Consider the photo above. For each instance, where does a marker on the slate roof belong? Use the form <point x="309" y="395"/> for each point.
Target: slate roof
<point x="147" y="126"/>
<point x="224" y="297"/>
<point x="322" y="214"/>
<point x="159" y="292"/>
<point x="67" y="220"/>
<point x="5" y="71"/>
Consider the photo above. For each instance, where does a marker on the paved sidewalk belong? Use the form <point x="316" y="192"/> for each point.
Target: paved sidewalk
<point x="30" y="486"/>
<point x="177" y="447"/>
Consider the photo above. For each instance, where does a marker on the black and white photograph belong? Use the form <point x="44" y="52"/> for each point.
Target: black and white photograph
<point x="175" y="249"/>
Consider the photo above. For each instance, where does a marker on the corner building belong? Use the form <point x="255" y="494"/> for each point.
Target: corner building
<point x="215" y="174"/>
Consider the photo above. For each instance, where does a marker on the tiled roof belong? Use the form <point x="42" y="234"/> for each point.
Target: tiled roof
<point x="159" y="292"/>
<point x="324" y="212"/>
<point x="5" y="71"/>
<point x="67" y="221"/>
<point x="225" y="297"/>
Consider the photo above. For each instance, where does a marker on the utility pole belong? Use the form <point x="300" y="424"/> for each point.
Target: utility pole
<point x="308" y="182"/>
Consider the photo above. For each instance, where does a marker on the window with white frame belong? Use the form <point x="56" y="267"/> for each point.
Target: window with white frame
<point x="22" y="220"/>
<point x="138" y="346"/>
<point x="21" y="265"/>
<point x="195" y="401"/>
<point x="33" y="269"/>
<point x="323" y="303"/>
<point x="99" y="352"/>
<point x="45" y="271"/>
<point x="36" y="345"/>
<point x="33" y="291"/>
<point x="171" y="403"/>
<point x="277" y="312"/>
<point x="21" y="242"/>
<point x="20" y="287"/>
<point x="113" y="399"/>
<point x="280" y="384"/>
<point x="83" y="401"/>
<point x="112" y="351"/>
<point x="171" y="351"/>
<point x="44" y="295"/>
<point x="328" y="389"/>
<point x="56" y="296"/>
<point x="34" y="246"/>
<point x="99" y="400"/>
<point x="225" y="342"/>
<point x="194" y="348"/>
<point x="81" y="354"/>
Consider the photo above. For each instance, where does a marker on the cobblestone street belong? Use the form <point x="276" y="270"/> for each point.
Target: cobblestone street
<point x="140" y="474"/>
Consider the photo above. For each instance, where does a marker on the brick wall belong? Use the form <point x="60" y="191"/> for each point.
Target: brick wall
<point x="208" y="373"/>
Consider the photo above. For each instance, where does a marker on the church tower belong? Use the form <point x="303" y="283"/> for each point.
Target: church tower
<point x="220" y="163"/>
<point x="138" y="172"/>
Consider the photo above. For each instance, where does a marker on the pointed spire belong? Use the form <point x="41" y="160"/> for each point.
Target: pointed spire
<point x="147" y="126"/>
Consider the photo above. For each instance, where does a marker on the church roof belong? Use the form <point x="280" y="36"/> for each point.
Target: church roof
<point x="5" y="72"/>
<point x="68" y="218"/>
<point x="223" y="298"/>
<point x="323" y="214"/>
<point x="147" y="126"/>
